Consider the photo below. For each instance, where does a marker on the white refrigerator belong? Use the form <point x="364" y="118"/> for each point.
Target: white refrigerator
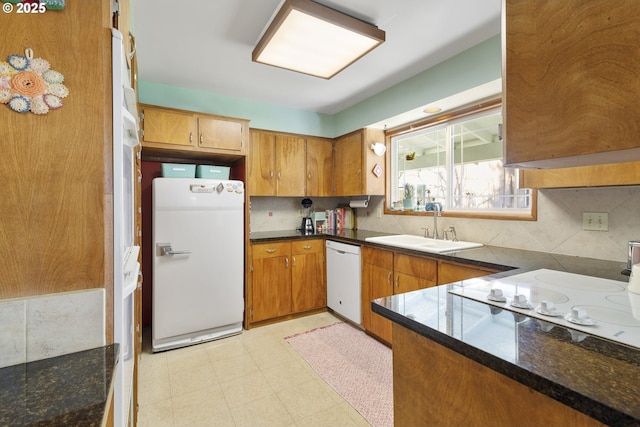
<point x="198" y="261"/>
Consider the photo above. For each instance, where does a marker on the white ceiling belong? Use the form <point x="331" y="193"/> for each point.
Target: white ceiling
<point x="206" y="45"/>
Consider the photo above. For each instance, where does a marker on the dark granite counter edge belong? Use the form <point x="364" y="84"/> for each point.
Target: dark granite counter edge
<point x="70" y="389"/>
<point x="577" y="401"/>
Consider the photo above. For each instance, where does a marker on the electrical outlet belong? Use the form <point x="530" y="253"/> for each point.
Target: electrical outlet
<point x="379" y="212"/>
<point x="595" y="221"/>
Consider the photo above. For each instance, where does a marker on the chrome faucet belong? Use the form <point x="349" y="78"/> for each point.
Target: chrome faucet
<point x="436" y="214"/>
<point x="426" y="231"/>
<point x="450" y="234"/>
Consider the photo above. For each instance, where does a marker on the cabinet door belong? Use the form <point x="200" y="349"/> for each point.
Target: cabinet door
<point x="348" y="165"/>
<point x="406" y="283"/>
<point x="290" y="166"/>
<point x="271" y="292"/>
<point x="380" y="285"/>
<point x="319" y="167"/>
<point x="168" y="127"/>
<point x="221" y="134"/>
<point x="377" y="282"/>
<point x="262" y="162"/>
<point x="308" y="285"/>
<point x="570" y="79"/>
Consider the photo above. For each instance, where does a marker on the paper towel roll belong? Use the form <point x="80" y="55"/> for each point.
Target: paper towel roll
<point x="359" y="203"/>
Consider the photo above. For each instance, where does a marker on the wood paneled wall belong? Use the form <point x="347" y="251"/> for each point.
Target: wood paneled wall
<point x="55" y="169"/>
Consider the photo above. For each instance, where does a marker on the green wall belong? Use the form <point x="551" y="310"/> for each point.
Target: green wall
<point x="473" y="67"/>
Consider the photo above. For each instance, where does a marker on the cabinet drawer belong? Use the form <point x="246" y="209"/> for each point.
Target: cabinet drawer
<point x="270" y="250"/>
<point x="379" y="257"/>
<point x="307" y="246"/>
<point x="416" y="266"/>
<point x="449" y="272"/>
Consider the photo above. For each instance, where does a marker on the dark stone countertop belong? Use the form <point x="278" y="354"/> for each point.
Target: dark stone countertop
<point x="498" y="258"/>
<point x="595" y="376"/>
<point x="69" y="390"/>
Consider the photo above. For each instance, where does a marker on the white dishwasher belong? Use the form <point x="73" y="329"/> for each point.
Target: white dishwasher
<point x="343" y="280"/>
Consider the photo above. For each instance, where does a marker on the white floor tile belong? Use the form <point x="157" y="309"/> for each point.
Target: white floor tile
<point x="252" y="379"/>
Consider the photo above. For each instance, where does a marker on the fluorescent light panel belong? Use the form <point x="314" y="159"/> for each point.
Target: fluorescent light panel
<point x="313" y="39"/>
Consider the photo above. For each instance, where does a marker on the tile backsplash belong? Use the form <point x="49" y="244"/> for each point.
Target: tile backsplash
<point x="557" y="230"/>
<point x="46" y="326"/>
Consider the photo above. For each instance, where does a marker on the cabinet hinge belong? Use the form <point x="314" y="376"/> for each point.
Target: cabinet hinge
<point x="142" y="133"/>
<point x="142" y="116"/>
<point x="251" y="268"/>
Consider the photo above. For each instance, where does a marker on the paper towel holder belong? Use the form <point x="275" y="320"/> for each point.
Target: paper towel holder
<point x="379" y="148"/>
<point x="359" y="203"/>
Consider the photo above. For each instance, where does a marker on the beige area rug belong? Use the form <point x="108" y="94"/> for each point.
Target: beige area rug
<point x="358" y="367"/>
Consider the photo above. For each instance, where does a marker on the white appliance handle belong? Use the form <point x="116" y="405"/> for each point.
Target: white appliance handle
<point x="168" y="250"/>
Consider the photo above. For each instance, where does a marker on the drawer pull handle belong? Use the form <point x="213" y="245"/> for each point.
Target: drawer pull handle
<point x="307" y="246"/>
<point x="270" y="251"/>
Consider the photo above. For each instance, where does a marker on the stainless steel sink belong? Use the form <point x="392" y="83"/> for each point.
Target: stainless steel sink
<point x="425" y="244"/>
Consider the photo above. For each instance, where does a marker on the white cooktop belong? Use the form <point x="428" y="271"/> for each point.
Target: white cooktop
<point x="585" y="304"/>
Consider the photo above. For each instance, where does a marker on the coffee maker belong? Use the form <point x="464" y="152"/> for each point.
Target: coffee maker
<point x="307" y="222"/>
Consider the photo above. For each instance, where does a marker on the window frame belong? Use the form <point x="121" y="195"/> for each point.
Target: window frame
<point x="508" y="214"/>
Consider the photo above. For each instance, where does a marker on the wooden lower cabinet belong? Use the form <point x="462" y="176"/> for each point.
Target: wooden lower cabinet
<point x="271" y="287"/>
<point x="308" y="284"/>
<point x="377" y="282"/>
<point x="436" y="386"/>
<point x="413" y="272"/>
<point x="287" y="277"/>
<point x="449" y="272"/>
<point x="386" y="273"/>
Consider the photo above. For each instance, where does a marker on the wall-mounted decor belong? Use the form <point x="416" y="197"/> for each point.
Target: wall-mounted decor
<point x="29" y="84"/>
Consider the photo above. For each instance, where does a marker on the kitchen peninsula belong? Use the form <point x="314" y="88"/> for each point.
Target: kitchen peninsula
<point x="510" y="370"/>
<point x="553" y="379"/>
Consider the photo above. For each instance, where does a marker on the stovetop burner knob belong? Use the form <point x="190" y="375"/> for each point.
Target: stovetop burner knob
<point x="496" y="295"/>
<point x="520" y="301"/>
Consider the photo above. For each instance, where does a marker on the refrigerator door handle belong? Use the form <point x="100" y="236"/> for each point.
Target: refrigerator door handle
<point x="166" y="249"/>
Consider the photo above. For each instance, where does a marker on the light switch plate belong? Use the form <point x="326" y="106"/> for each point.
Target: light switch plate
<point x="595" y="221"/>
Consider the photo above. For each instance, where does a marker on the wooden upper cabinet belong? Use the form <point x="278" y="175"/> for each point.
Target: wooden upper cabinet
<point x="358" y="171"/>
<point x="221" y="134"/>
<point x="319" y="167"/>
<point x="348" y="161"/>
<point x="571" y="76"/>
<point x="290" y="166"/>
<point x="262" y="164"/>
<point x="170" y="129"/>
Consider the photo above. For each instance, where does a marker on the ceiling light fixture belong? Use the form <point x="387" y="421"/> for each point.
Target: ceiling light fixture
<point x="431" y="110"/>
<point x="310" y="38"/>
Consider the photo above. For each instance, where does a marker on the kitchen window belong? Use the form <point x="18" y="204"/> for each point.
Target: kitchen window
<point x="455" y="164"/>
